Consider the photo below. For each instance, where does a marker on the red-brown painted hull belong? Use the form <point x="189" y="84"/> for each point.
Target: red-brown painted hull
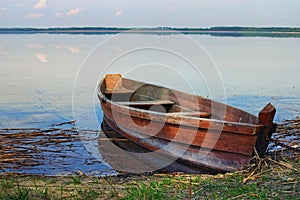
<point x="222" y="142"/>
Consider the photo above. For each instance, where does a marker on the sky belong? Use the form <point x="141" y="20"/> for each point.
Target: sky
<point x="149" y="13"/>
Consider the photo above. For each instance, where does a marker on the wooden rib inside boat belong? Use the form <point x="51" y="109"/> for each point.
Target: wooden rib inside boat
<point x="195" y="129"/>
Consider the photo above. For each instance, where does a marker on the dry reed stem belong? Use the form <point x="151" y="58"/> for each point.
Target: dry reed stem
<point x="21" y="147"/>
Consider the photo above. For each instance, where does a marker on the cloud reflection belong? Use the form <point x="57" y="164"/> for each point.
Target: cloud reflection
<point x="70" y="48"/>
<point x="2" y="49"/>
<point x="41" y="57"/>
<point x="35" y="46"/>
<point x="73" y="49"/>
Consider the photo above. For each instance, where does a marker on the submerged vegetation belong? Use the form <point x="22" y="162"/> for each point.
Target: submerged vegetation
<point x="234" y="31"/>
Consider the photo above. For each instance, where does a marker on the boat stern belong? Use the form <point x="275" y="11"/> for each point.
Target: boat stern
<point x="266" y="116"/>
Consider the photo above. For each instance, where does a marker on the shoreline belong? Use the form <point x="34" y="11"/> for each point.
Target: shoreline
<point x="276" y="176"/>
<point x="58" y="136"/>
<point x="266" y="178"/>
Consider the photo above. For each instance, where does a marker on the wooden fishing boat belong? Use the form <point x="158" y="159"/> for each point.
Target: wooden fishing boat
<point x="198" y="130"/>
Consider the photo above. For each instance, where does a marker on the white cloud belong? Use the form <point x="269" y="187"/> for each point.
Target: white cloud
<point x="72" y="12"/>
<point x="34" y="15"/>
<point x="118" y="12"/>
<point x="42" y="57"/>
<point x="58" y="14"/>
<point x="40" y="5"/>
<point x="2" y="11"/>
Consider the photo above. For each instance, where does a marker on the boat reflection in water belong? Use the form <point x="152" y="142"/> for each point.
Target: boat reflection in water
<point x="178" y="166"/>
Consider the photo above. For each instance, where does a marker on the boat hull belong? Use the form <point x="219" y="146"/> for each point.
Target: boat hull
<point x="217" y="161"/>
<point x="223" y="143"/>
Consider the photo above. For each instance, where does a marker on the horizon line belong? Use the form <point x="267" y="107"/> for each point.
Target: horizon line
<point x="152" y="27"/>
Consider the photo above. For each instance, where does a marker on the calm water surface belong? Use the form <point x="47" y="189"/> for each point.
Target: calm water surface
<point x="41" y="73"/>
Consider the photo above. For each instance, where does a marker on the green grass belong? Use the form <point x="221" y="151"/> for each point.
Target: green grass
<point x="212" y="187"/>
<point x="271" y="181"/>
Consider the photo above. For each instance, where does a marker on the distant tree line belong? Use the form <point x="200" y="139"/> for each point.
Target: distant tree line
<point x="255" y="29"/>
<point x="234" y="31"/>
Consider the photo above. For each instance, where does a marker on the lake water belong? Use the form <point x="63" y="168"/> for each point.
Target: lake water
<point x="51" y="78"/>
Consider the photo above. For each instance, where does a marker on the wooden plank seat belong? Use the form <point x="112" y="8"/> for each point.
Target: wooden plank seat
<point x="146" y="103"/>
<point x="155" y="105"/>
<point x="167" y="104"/>
<point x="200" y="114"/>
<point x="118" y="94"/>
<point x="118" y="91"/>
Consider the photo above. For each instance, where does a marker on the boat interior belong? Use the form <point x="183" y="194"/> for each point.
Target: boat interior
<point x="174" y="103"/>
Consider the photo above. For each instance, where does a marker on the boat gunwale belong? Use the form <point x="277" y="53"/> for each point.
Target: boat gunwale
<point x="168" y="115"/>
